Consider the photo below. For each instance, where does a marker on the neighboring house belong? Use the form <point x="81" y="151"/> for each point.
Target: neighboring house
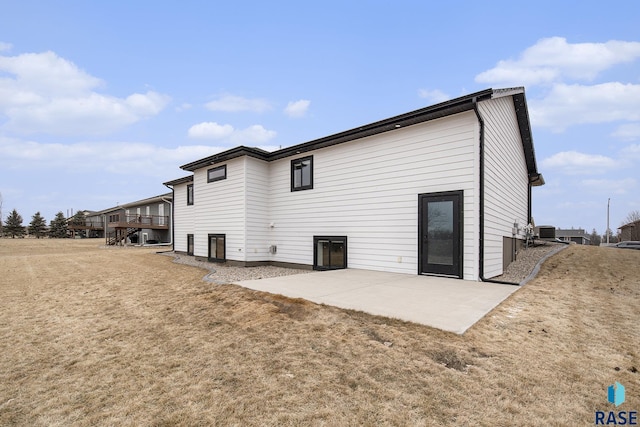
<point x="574" y="235"/>
<point x="146" y="221"/>
<point x="93" y="225"/>
<point x="443" y="190"/>
<point x="630" y="231"/>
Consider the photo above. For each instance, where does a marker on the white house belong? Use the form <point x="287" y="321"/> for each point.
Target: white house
<point x="444" y="190"/>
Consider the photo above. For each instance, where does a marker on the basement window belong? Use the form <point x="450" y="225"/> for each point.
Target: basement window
<point x="217" y="247"/>
<point x="190" y="244"/>
<point x="329" y="252"/>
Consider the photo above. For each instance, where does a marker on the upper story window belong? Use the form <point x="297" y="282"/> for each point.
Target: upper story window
<point x="190" y="194"/>
<point x="302" y="173"/>
<point x="217" y="174"/>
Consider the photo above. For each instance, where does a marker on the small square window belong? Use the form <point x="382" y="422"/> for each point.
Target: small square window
<point x="302" y="174"/>
<point x="329" y="252"/>
<point x="190" y="194"/>
<point x="217" y="174"/>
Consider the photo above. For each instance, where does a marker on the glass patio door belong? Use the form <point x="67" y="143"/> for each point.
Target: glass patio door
<point x="440" y="226"/>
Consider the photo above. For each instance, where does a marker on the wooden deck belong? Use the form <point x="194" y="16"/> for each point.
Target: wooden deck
<point x="153" y="222"/>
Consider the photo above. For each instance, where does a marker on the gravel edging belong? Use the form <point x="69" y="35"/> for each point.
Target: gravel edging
<point x="521" y="271"/>
<point x="528" y="262"/>
<point x="536" y="269"/>
<point x="221" y="274"/>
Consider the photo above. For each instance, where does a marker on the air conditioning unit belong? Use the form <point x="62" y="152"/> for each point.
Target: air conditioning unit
<point x="547" y="232"/>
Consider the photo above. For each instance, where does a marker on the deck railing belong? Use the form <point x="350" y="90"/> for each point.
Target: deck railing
<point x="139" y="221"/>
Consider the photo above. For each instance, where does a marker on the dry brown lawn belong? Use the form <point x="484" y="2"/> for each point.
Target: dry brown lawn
<point x="125" y="337"/>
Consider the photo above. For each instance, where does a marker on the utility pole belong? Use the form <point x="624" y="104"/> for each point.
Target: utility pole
<point x="608" y="231"/>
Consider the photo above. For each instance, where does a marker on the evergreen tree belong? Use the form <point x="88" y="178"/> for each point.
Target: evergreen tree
<point x="78" y="219"/>
<point x="77" y="224"/>
<point x="1" y="234"/>
<point x="13" y="225"/>
<point x="595" y="238"/>
<point x="58" y="226"/>
<point x="37" y="226"/>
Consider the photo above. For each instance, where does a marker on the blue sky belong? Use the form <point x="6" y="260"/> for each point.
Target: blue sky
<point x="101" y="102"/>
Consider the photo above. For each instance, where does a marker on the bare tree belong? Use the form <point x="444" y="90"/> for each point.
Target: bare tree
<point x="630" y="228"/>
<point x="0" y="214"/>
<point x="632" y="217"/>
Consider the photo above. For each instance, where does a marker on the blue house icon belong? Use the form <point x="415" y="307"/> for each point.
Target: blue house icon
<point x="616" y="394"/>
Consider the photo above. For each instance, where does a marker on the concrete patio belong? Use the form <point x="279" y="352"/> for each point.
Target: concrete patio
<point x="448" y="304"/>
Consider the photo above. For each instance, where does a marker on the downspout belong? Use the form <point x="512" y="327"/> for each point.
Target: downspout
<point x="170" y="224"/>
<point x="481" y="207"/>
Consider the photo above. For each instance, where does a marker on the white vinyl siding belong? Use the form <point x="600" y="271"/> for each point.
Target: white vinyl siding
<point x="368" y="191"/>
<point x="183" y="217"/>
<point x="506" y="180"/>
<point x="219" y="208"/>
<point x="257" y="210"/>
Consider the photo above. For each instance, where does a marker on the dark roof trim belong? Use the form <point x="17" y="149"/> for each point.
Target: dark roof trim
<point x="437" y="111"/>
<point x="227" y="155"/>
<point x="179" y="180"/>
<point x="522" y="114"/>
<point x="443" y="109"/>
<point x="139" y="202"/>
<point x="149" y="200"/>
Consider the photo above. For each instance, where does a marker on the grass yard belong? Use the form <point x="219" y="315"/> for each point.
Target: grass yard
<point x="93" y="336"/>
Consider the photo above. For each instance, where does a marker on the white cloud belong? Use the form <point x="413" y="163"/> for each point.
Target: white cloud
<point x="232" y="103"/>
<point x="5" y="46"/>
<point x="183" y="107"/>
<point x="210" y="130"/>
<point x="93" y="114"/>
<point x="148" y="104"/>
<point x="50" y="94"/>
<point x="47" y="75"/>
<point x="255" y="134"/>
<point x="576" y="163"/>
<point x="436" y="96"/>
<point x="610" y="186"/>
<point x="631" y="153"/>
<point x="567" y="105"/>
<point x="297" y="108"/>
<point x="628" y="132"/>
<point x="115" y="157"/>
<point x="552" y="59"/>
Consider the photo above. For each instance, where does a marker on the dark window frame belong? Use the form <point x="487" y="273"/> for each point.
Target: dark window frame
<point x="345" y="258"/>
<point x="299" y="161"/>
<point x="219" y="178"/>
<point x="224" y="248"/>
<point x="190" y="195"/>
<point x="190" y="244"/>
<point x="457" y="269"/>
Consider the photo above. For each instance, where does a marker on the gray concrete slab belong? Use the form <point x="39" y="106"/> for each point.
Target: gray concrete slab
<point x="448" y="304"/>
